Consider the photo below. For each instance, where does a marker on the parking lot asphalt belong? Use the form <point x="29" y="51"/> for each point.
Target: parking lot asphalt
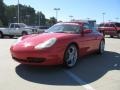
<point x="93" y="72"/>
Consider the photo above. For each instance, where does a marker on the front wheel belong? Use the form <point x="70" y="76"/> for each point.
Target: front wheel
<point x="101" y="47"/>
<point x="118" y="35"/>
<point x="1" y="35"/>
<point x="71" y="56"/>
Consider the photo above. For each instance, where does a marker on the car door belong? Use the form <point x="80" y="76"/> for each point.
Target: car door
<point x="17" y="29"/>
<point x="88" y="40"/>
<point x="12" y="29"/>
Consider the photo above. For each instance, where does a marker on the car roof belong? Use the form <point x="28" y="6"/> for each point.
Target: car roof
<point x="109" y="22"/>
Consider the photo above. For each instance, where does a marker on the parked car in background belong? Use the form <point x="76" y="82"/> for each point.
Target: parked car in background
<point x="41" y="29"/>
<point x="17" y="29"/>
<point x="110" y="28"/>
<point x="62" y="43"/>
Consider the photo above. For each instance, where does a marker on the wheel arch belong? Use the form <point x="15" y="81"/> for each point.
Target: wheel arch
<point x="2" y="34"/>
<point x="24" y="32"/>
<point x="103" y="39"/>
<point x="76" y="45"/>
<point x="73" y="43"/>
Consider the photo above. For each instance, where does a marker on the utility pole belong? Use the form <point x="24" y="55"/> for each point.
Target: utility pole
<point x="18" y="12"/>
<point x="56" y="9"/>
<point x="103" y="16"/>
<point x="39" y="18"/>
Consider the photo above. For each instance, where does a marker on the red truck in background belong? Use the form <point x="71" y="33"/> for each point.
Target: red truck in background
<point x="110" y="28"/>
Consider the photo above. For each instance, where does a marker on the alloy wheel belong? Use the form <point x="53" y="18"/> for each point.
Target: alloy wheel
<point x="102" y="46"/>
<point x="71" y="56"/>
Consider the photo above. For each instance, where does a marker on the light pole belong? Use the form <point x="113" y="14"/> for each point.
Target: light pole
<point x="18" y="12"/>
<point x="56" y="9"/>
<point x="103" y="16"/>
<point x="39" y="18"/>
<point x="71" y="17"/>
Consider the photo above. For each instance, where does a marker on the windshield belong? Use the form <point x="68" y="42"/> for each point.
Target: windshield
<point x="59" y="28"/>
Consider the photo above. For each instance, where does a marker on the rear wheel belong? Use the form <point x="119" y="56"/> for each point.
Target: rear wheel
<point x="111" y="36"/>
<point x="1" y="35"/>
<point x="101" y="47"/>
<point x="24" y="33"/>
<point x="11" y="36"/>
<point x="71" y="56"/>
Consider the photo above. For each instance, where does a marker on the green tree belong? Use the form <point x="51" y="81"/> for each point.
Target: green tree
<point x="27" y="14"/>
<point x="2" y="13"/>
<point x="11" y="13"/>
<point x="51" y="21"/>
<point x="1" y="24"/>
<point x="40" y="19"/>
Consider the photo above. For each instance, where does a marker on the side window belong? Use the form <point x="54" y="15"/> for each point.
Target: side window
<point x="12" y="26"/>
<point x="86" y="26"/>
<point x="17" y="26"/>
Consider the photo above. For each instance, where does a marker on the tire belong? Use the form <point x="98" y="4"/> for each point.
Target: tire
<point x="11" y="36"/>
<point x="101" y="47"/>
<point x="118" y="34"/>
<point x="103" y="33"/>
<point x="111" y="36"/>
<point x="24" y="33"/>
<point x="1" y="35"/>
<point x="71" y="56"/>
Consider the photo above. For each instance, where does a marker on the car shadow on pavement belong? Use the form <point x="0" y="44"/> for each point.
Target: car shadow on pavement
<point x="89" y="69"/>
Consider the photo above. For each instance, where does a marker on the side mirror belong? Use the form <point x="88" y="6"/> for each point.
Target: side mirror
<point x="85" y="31"/>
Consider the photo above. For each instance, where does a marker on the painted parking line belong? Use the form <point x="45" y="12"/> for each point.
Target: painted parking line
<point x="79" y="80"/>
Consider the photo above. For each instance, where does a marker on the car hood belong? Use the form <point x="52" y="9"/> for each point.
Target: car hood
<point x="40" y="38"/>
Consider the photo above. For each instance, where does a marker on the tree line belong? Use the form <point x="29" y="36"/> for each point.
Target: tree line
<point x="28" y="15"/>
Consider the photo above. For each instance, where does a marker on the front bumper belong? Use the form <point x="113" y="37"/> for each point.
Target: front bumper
<point x="38" y="57"/>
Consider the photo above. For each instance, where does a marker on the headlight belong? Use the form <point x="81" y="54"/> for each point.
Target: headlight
<point x="46" y="44"/>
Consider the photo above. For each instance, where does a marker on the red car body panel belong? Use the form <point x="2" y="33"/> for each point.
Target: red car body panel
<point x="25" y="53"/>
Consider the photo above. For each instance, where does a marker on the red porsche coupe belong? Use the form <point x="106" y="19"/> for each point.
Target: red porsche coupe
<point x="63" y="43"/>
